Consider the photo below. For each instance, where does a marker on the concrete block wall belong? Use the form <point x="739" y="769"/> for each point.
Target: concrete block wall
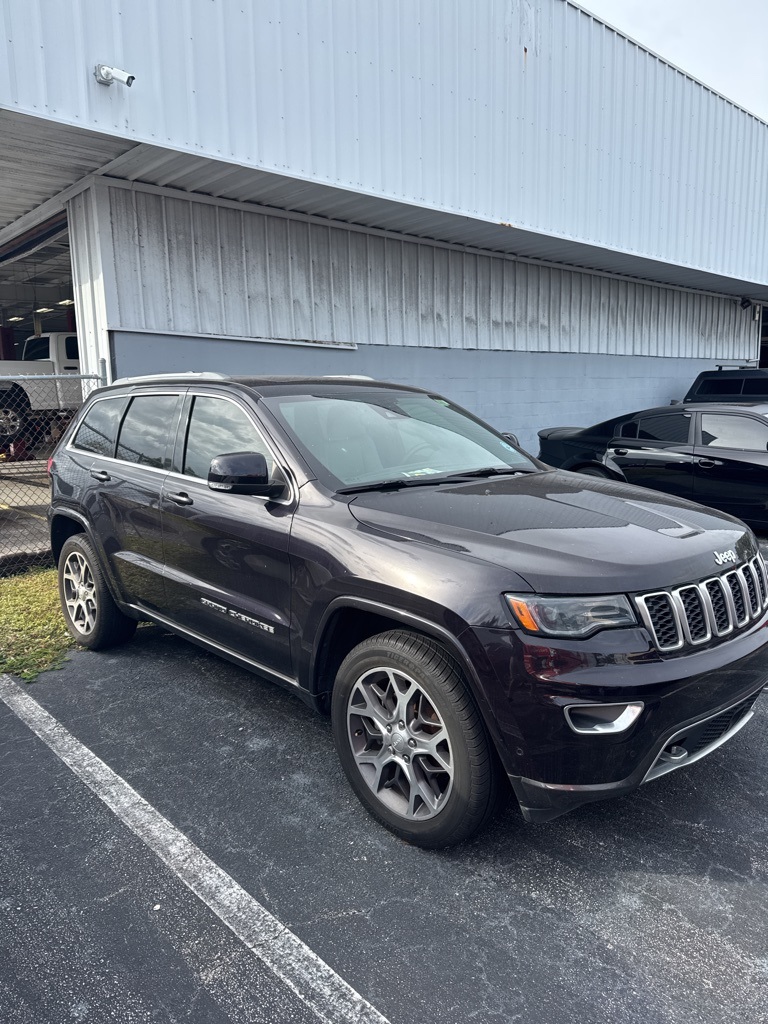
<point x="517" y="391"/>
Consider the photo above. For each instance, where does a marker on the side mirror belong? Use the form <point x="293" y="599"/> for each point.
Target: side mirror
<point x="512" y="438"/>
<point x="243" y="473"/>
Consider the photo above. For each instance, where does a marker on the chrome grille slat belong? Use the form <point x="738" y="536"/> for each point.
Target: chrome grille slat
<point x="716" y="607"/>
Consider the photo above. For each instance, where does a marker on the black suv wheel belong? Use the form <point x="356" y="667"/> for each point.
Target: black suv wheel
<point x="92" y="617"/>
<point x="411" y="741"/>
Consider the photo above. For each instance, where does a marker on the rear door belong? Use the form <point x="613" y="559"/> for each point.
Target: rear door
<point x="655" y="449"/>
<point x="731" y="456"/>
<point x="116" y="462"/>
<point x="128" y="495"/>
<point x="226" y="555"/>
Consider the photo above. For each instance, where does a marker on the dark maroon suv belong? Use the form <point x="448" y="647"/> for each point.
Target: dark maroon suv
<point x="470" y="617"/>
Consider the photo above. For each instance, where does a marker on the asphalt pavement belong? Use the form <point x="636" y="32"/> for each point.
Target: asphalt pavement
<point x="648" y="909"/>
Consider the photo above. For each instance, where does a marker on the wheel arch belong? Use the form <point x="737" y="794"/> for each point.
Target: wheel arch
<point x="348" y="621"/>
<point x="64" y="526"/>
<point x="68" y="523"/>
<point x="17" y="394"/>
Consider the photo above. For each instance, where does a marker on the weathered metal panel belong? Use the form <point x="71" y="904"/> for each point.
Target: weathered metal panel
<point x="88" y="279"/>
<point x="523" y="112"/>
<point x="224" y="270"/>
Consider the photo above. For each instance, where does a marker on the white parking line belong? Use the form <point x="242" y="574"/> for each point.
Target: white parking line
<point x="293" y="962"/>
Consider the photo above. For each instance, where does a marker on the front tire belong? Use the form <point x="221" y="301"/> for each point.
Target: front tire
<point x="91" y="615"/>
<point x="411" y="741"/>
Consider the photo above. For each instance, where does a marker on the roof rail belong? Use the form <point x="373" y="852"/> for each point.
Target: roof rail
<point x="193" y="374"/>
<point x="347" y="376"/>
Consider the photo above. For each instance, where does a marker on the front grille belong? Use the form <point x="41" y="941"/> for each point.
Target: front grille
<point x="714" y="608"/>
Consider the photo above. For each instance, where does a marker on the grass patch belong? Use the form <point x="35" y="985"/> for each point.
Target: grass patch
<point x="33" y="636"/>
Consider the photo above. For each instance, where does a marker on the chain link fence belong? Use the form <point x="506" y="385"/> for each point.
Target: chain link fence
<point x="34" y="412"/>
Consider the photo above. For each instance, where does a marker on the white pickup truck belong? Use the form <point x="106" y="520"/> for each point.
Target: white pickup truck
<point x="34" y="404"/>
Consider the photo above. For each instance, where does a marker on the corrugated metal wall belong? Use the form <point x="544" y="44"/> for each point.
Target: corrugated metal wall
<point x="222" y="269"/>
<point x="528" y="112"/>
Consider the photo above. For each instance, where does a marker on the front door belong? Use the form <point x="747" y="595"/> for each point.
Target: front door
<point x="731" y="457"/>
<point x="226" y="555"/>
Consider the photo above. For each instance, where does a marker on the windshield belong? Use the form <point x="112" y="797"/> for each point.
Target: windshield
<point x="364" y="438"/>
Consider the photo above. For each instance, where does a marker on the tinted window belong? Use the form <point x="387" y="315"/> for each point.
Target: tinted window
<point x="36" y="348"/>
<point x="145" y="431"/>
<point x="666" y="428"/>
<point x="756" y="386"/>
<point x="722" y="386"/>
<point x="628" y="429"/>
<point x="70" y="347"/>
<point x="219" y="427"/>
<point x="734" y="432"/>
<point x="98" y="431"/>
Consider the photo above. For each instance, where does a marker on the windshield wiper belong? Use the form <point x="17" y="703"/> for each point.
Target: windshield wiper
<point x="391" y="485"/>
<point x="491" y="471"/>
<point x="434" y="479"/>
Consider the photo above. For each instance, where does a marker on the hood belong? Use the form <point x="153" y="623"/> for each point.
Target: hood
<point x="563" y="533"/>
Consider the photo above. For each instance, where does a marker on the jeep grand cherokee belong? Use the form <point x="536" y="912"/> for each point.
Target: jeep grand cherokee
<point x="467" y="614"/>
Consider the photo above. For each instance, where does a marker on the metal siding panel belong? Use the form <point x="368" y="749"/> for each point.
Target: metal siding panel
<point x="279" y="275"/>
<point x="125" y="247"/>
<point x="152" y="251"/>
<point x="186" y="265"/>
<point x="255" y="254"/>
<point x="181" y="266"/>
<point x="205" y="242"/>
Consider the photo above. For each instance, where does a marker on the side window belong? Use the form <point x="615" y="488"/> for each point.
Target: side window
<point x="146" y="428"/>
<point x="71" y="350"/>
<point x="36" y="348"/>
<point x="98" y="431"/>
<point x="728" y="386"/>
<point x="628" y="429"/>
<point x="718" y="431"/>
<point x="219" y="427"/>
<point x="666" y="428"/>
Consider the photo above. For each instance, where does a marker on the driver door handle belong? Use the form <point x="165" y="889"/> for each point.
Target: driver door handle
<point x="181" y="498"/>
<point x="706" y="463"/>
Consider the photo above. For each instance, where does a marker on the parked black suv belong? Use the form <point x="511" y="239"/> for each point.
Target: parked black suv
<point x="464" y="611"/>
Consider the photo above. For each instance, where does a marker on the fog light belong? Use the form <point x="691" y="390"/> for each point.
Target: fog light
<point x="594" y="719"/>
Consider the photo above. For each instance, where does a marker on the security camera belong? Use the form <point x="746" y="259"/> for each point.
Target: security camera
<point x="105" y="75"/>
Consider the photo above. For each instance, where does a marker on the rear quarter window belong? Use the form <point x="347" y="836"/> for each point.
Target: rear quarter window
<point x="98" y="431"/>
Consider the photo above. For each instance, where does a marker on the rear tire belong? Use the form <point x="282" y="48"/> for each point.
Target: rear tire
<point x="594" y="471"/>
<point x="411" y="741"/>
<point x="91" y="615"/>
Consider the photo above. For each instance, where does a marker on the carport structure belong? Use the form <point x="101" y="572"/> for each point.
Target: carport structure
<point x="539" y="217"/>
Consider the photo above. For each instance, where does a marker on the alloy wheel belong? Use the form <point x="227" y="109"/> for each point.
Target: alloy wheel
<point x="79" y="592"/>
<point x="400" y="744"/>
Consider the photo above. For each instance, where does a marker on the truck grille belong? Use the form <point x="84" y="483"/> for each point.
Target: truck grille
<point x="713" y="609"/>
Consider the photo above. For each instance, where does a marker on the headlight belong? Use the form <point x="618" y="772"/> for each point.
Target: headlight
<point x="570" y="616"/>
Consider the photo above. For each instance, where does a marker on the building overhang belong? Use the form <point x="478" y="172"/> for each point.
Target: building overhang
<point x="43" y="163"/>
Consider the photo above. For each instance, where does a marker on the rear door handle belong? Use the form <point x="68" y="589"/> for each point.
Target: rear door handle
<point x="180" y="499"/>
<point x="706" y="463"/>
<point x="620" y="451"/>
<point x="101" y="475"/>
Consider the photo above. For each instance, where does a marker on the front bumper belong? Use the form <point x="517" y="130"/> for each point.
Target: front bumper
<point x="543" y="801"/>
<point x="693" y="702"/>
